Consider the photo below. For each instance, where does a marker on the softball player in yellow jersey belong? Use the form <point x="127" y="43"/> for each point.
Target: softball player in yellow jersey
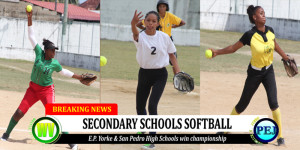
<point x="261" y="39"/>
<point x="167" y="19"/>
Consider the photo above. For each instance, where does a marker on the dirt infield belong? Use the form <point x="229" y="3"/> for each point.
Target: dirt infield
<point x="20" y="137"/>
<point x="172" y="102"/>
<point x="220" y="92"/>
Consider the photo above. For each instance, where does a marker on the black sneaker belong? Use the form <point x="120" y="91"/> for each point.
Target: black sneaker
<point x="280" y="142"/>
<point x="4" y="137"/>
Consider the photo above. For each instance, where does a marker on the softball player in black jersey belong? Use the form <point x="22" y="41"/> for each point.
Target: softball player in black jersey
<point x="154" y="50"/>
<point x="261" y="39"/>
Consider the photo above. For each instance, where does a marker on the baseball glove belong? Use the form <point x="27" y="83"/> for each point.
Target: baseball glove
<point x="88" y="79"/>
<point x="183" y="82"/>
<point x="290" y="66"/>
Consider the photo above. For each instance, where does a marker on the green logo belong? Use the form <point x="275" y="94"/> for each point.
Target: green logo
<point x="45" y="130"/>
<point x="268" y="49"/>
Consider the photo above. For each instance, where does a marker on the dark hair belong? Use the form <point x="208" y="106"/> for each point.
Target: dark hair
<point x="48" y="44"/>
<point x="157" y="15"/>
<point x="251" y="10"/>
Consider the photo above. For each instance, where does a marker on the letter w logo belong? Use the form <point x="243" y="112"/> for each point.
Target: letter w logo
<point x="43" y="127"/>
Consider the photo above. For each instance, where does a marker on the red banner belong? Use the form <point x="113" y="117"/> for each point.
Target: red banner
<point x="81" y="109"/>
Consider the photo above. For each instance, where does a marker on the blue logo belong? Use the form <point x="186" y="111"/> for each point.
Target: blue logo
<point x="265" y="130"/>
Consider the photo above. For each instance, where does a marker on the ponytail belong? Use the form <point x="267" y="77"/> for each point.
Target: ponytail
<point x="251" y="11"/>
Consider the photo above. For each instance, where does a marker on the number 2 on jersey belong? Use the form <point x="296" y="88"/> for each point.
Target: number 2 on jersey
<point x="153" y="52"/>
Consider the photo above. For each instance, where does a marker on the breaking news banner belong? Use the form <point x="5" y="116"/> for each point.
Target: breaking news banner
<point x="190" y="129"/>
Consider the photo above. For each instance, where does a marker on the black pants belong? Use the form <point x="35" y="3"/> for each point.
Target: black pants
<point x="150" y="78"/>
<point x="254" y="78"/>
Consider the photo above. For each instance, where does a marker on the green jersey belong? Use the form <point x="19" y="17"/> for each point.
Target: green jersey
<point x="42" y="69"/>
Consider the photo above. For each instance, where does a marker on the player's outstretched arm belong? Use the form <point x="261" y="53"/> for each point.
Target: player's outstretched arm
<point x="174" y="63"/>
<point x="30" y="29"/>
<point x="76" y="76"/>
<point x="280" y="51"/>
<point x="86" y="79"/>
<point x="136" y="19"/>
<point x="29" y="16"/>
<point x="227" y="50"/>
<point x="70" y="74"/>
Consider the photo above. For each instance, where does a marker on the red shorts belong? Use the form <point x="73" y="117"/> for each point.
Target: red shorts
<point x="35" y="93"/>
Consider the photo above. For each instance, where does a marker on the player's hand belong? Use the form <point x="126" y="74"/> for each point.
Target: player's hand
<point x="286" y="58"/>
<point x="136" y="18"/>
<point x="29" y="14"/>
<point x="214" y="52"/>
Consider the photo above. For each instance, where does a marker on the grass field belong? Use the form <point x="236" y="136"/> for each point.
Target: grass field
<point x="122" y="62"/>
<point x="236" y="62"/>
<point x="15" y="76"/>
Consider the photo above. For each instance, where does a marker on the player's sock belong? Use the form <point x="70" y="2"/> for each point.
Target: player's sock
<point x="11" y="125"/>
<point x="234" y="112"/>
<point x="277" y="118"/>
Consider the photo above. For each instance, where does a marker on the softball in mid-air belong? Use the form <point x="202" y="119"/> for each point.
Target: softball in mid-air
<point x="103" y="61"/>
<point x="208" y="53"/>
<point x="29" y="8"/>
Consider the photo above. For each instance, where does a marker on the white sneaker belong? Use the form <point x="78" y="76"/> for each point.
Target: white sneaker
<point x="73" y="146"/>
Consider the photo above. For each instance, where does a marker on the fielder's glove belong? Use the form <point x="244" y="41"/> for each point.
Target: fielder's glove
<point x="88" y="79"/>
<point x="183" y="82"/>
<point x="290" y="66"/>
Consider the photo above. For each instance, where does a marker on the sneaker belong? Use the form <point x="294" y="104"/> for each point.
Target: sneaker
<point x="148" y="146"/>
<point x="140" y="132"/>
<point x="280" y="142"/>
<point x="4" y="137"/>
<point x="73" y="146"/>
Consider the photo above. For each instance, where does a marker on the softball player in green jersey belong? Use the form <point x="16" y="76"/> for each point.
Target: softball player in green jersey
<point x="41" y="85"/>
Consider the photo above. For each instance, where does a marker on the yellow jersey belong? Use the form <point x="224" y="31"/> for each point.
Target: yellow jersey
<point x="262" y="46"/>
<point x="167" y="22"/>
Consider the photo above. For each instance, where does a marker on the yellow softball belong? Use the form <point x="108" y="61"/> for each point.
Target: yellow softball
<point x="103" y="61"/>
<point x="29" y="8"/>
<point x="208" y="53"/>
